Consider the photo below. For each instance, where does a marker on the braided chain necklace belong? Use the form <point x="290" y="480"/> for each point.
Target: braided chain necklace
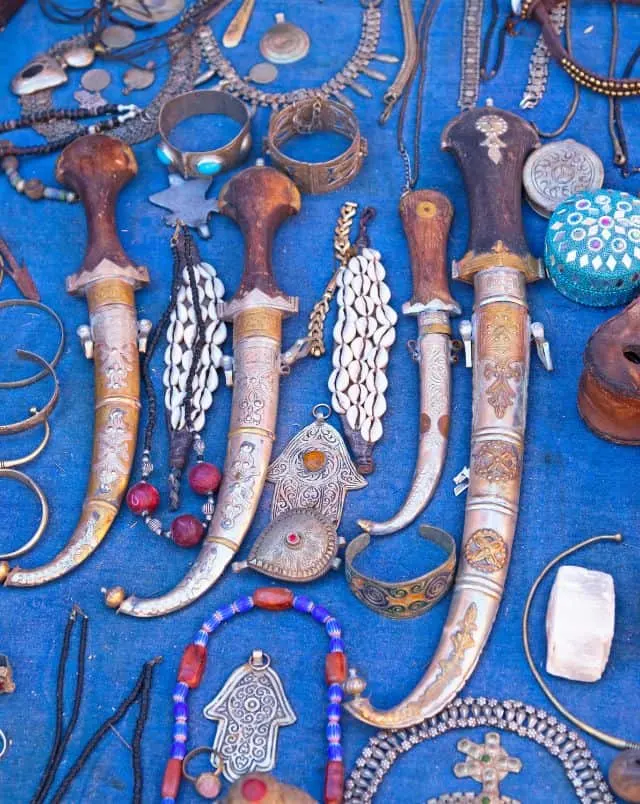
<point x="382" y="750"/>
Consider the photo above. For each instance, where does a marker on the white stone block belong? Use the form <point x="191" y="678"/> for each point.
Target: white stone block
<point x="580" y="623"/>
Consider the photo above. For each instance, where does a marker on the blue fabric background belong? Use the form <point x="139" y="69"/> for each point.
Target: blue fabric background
<point x="574" y="485"/>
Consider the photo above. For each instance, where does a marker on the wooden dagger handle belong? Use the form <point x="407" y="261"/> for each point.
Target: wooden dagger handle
<point x="259" y="199"/>
<point x="426" y="218"/>
<point x="97" y="167"/>
<point x="491" y="147"/>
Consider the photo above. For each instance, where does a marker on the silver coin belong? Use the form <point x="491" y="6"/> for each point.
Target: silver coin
<point x="559" y="170"/>
<point x="79" y="57"/>
<point x="138" y="78"/>
<point x="96" y="80"/>
<point x="150" y="10"/>
<point x="263" y="73"/>
<point x="117" y="36"/>
<point x="285" y="42"/>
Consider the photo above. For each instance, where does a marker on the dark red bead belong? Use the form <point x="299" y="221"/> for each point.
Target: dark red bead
<point x="143" y="498"/>
<point x="187" y="530"/>
<point x="172" y="778"/>
<point x="254" y="789"/>
<point x="192" y="665"/>
<point x="204" y="478"/>
<point x="273" y="598"/>
<point x="334" y="782"/>
<point x="336" y="668"/>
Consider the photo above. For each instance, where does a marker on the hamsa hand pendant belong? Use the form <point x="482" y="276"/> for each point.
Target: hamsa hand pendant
<point x="250" y="708"/>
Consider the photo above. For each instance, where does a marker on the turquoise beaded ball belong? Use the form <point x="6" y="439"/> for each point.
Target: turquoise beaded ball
<point x="592" y="248"/>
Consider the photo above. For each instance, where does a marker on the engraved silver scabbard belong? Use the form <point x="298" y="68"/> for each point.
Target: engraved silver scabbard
<point x="426" y="217"/>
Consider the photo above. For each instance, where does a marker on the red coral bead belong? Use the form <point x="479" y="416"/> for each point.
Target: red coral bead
<point x="254" y="789"/>
<point x="192" y="665"/>
<point x="274" y="598"/>
<point x="143" y="498"/>
<point x="336" y="668"/>
<point x="334" y="782"/>
<point x="204" y="478"/>
<point x="172" y="778"/>
<point x="187" y="530"/>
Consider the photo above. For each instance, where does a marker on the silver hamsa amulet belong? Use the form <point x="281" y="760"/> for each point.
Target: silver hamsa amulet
<point x="250" y="708"/>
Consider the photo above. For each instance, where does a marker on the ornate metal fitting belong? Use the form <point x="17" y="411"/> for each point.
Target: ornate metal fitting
<point x="250" y="708"/>
<point x="404" y="599"/>
<point x="199" y="164"/>
<point x="308" y="116"/>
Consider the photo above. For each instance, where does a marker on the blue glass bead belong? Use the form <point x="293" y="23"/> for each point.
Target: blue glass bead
<point x="336" y="646"/>
<point x="334" y="752"/>
<point x="178" y="750"/>
<point x="168" y="801"/>
<point x="164" y="155"/>
<point x="334" y="732"/>
<point x="180" y="692"/>
<point x="202" y="638"/>
<point x="180" y="730"/>
<point x="181" y="710"/>
<point x="304" y="604"/>
<point x="333" y="628"/>
<point x="244" y="604"/>
<point x="335" y="693"/>
<point x="334" y="711"/>
<point x="211" y="624"/>
<point x="209" y="165"/>
<point x="226" y="613"/>
<point x="320" y="614"/>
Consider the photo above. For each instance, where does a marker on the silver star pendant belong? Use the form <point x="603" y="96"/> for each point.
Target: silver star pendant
<point x="187" y="201"/>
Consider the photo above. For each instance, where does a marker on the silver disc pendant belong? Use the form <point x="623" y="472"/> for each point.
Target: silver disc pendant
<point x="79" y="57"/>
<point x="139" y="78"/>
<point x="559" y="170"/>
<point x="95" y="80"/>
<point x="285" y="42"/>
<point x="116" y="37"/>
<point x="250" y="709"/>
<point x="150" y="10"/>
<point x="263" y="73"/>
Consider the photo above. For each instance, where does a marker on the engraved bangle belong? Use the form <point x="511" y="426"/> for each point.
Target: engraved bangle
<point x="404" y="599"/>
<point x="36" y="415"/>
<point x="51" y="364"/>
<point x="307" y="117"/>
<point x="200" y="164"/>
<point x="14" y="474"/>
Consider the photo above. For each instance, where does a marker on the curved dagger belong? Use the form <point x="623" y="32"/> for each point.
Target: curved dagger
<point x="97" y="167"/>
<point x="491" y="147"/>
<point x="259" y="199"/>
<point x="426" y="218"/>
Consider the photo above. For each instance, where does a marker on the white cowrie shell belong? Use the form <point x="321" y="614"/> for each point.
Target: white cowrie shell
<point x="340" y="402"/>
<point x="384" y="292"/>
<point x="354" y="372"/>
<point x="385" y="337"/>
<point x="390" y="313"/>
<point x="364" y="306"/>
<point x="185" y="275"/>
<point x="208" y="288"/>
<point x="213" y="311"/>
<point x="371" y="253"/>
<point x="207" y="399"/>
<point x="166" y="377"/>
<point x="357" y="347"/>
<point x="353" y="418"/>
<point x="370" y="381"/>
<point x="379" y="406"/>
<point x="331" y="382"/>
<point x="189" y="335"/>
<point x="176" y="354"/>
<point x="176" y="415"/>
<point x="182" y="312"/>
<point x="212" y="380"/>
<point x="370" y="356"/>
<point x="348" y="297"/>
<point x="354" y="394"/>
<point x="342" y="379"/>
<point x="182" y="294"/>
<point x="362" y="326"/>
<point x="366" y="284"/>
<point x="349" y="331"/>
<point x="191" y="314"/>
<point x="382" y="359"/>
<point x="362" y="263"/>
<point x="380" y="271"/>
<point x="205" y="357"/>
<point x="187" y="360"/>
<point x="354" y="265"/>
<point x="208" y="268"/>
<point x="220" y="335"/>
<point x="356" y="285"/>
<point x="208" y="333"/>
<point x="381" y="381"/>
<point x="346" y="355"/>
<point x="218" y="287"/>
<point x="195" y="399"/>
<point x="367" y="405"/>
<point x="216" y="355"/>
<point x="375" y="293"/>
<point x="198" y="421"/>
<point x="167" y="399"/>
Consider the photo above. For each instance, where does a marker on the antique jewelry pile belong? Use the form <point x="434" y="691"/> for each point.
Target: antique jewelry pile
<point x="201" y="116"/>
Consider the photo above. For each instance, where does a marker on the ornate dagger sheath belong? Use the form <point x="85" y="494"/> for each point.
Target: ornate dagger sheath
<point x="259" y="199"/>
<point x="426" y="218"/>
<point x="97" y="167"/>
<point x="490" y="146"/>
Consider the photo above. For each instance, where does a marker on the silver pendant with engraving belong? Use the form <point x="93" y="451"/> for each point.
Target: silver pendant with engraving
<point x="284" y="43"/>
<point x="250" y="708"/>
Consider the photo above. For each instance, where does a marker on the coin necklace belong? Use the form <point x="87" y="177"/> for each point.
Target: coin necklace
<point x="346" y="78"/>
<point x="192" y="357"/>
<point x="193" y="665"/>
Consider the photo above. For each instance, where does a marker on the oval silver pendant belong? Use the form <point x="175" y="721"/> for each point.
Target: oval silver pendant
<point x="285" y="42"/>
<point x="116" y="37"/>
<point x="79" y="57"/>
<point x="559" y="170"/>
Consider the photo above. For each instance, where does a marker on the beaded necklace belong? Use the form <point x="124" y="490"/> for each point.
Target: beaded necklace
<point x="192" y="667"/>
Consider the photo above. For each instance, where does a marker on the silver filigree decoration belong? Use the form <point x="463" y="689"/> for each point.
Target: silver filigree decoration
<point x="113" y="451"/>
<point x="244" y="473"/>
<point x="250" y="708"/>
<point x="493" y="127"/>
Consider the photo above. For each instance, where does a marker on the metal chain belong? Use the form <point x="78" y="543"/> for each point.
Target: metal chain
<point x="382" y="750"/>
<point x="470" y="60"/>
<point x="342" y="250"/>
<point x="539" y="61"/>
